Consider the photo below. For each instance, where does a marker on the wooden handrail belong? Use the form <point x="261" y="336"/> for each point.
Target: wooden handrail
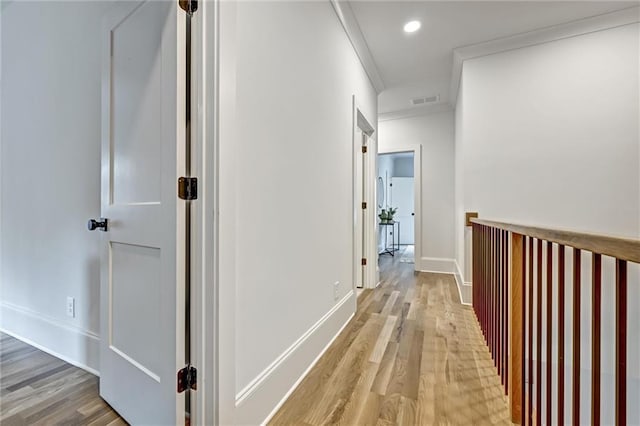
<point x="620" y="248"/>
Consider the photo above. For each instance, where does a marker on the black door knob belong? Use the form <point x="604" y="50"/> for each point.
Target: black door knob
<point x="101" y="224"/>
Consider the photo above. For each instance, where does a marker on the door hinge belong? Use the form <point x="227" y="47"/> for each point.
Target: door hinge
<point x="364" y="205"/>
<point x="188" y="188"/>
<point x="364" y="261"/>
<point x="187" y="379"/>
<point x="189" y="6"/>
<point x="364" y="149"/>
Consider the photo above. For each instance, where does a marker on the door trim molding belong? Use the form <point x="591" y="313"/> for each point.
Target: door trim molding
<point x="204" y="225"/>
<point x="417" y="194"/>
<point x="370" y="252"/>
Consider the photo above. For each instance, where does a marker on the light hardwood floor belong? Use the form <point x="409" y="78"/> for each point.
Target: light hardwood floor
<point x="39" y="389"/>
<point x="412" y="355"/>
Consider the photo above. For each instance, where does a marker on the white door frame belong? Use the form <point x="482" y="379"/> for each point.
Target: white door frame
<point x="215" y="325"/>
<point x="370" y="251"/>
<point x="204" y="224"/>
<point x="417" y="189"/>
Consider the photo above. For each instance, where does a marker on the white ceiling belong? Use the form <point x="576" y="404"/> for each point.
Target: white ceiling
<point x="420" y="64"/>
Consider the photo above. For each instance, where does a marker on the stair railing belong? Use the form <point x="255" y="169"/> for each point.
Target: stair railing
<point x="518" y="272"/>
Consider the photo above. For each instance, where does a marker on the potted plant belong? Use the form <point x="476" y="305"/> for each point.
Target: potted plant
<point x="390" y="212"/>
<point x="386" y="215"/>
<point x="384" y="218"/>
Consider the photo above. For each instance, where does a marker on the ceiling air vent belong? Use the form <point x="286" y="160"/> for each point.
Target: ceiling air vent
<point x="425" y="100"/>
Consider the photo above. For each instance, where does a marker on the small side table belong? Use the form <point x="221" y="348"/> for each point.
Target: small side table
<point x="390" y="250"/>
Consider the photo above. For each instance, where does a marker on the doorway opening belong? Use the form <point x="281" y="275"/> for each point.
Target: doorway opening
<point x="398" y="206"/>
<point x="396" y="201"/>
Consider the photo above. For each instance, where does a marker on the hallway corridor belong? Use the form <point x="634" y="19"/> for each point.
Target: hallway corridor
<point x="413" y="354"/>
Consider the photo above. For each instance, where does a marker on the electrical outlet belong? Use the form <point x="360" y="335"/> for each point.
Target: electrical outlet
<point x="336" y="290"/>
<point x="71" y="307"/>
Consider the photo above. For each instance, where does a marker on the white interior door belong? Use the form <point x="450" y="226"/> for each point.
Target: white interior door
<point x="141" y="297"/>
<point x="402" y="198"/>
<point x="359" y="168"/>
<point x="363" y="211"/>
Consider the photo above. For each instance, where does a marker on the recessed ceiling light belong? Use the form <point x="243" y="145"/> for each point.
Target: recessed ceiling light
<point x="412" y="26"/>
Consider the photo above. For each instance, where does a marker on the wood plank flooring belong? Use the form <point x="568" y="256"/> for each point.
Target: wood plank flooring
<point x="412" y="355"/>
<point x="39" y="389"/>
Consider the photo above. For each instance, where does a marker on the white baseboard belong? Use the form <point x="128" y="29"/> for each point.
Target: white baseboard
<point x="467" y="295"/>
<point x="463" y="286"/>
<point x="70" y="344"/>
<point x="261" y="399"/>
<point x="459" y="277"/>
<point x="459" y="281"/>
<point x="437" y="264"/>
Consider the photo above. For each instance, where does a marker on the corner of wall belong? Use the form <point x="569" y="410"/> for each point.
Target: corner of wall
<point x="260" y="400"/>
<point x="463" y="286"/>
<point x="70" y="344"/>
<point x="447" y="266"/>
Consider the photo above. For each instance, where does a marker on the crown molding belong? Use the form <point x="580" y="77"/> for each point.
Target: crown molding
<point x="354" y="33"/>
<point x="544" y="35"/>
<point x="415" y="112"/>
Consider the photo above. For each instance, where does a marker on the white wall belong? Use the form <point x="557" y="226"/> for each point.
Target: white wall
<point x="549" y="135"/>
<point x="50" y="167"/>
<point x="435" y="133"/>
<point x="284" y="241"/>
<point x="403" y="166"/>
